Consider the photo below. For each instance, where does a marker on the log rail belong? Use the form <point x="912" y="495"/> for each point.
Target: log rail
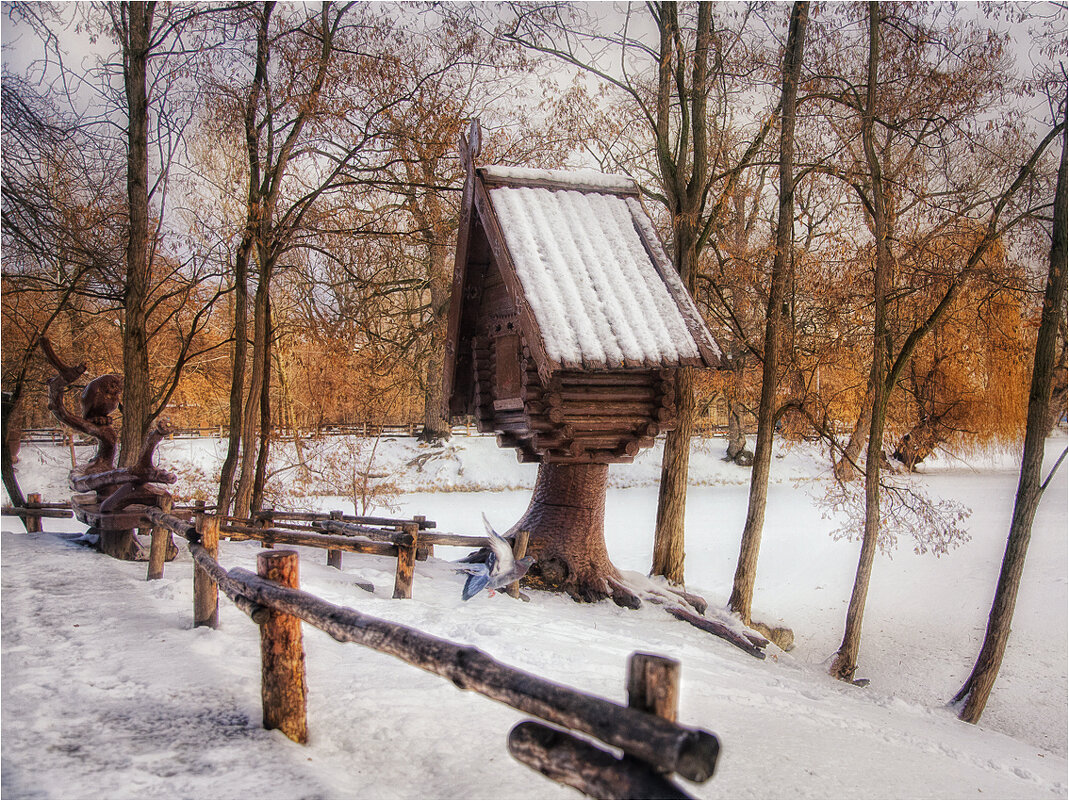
<point x="645" y="731"/>
<point x="655" y="746"/>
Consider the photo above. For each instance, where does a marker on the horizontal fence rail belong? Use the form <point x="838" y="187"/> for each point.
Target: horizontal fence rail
<point x="663" y="744"/>
<point x="645" y="730"/>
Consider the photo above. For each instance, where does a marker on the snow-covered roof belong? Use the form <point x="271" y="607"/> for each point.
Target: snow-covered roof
<point x="581" y="180"/>
<point x="602" y="290"/>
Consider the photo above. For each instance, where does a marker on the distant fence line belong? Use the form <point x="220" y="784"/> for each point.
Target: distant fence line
<point x="55" y="436"/>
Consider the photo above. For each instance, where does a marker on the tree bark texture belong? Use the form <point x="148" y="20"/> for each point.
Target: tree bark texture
<point x="566" y="521"/>
<point x="137" y="388"/>
<point x="435" y="425"/>
<point x="251" y="416"/>
<point x="685" y="178"/>
<point x="239" y="355"/>
<point x="284" y="686"/>
<point x="736" y="448"/>
<point x="7" y="462"/>
<point x="569" y="760"/>
<point x="972" y="697"/>
<point x="669" y="537"/>
<point x="653" y="685"/>
<point x="160" y="544"/>
<point x="846" y="468"/>
<point x="741" y="599"/>
<point x="266" y="424"/>
<point x="205" y="590"/>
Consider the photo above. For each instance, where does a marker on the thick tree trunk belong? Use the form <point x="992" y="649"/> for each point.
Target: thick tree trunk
<point x="137" y="389"/>
<point x="736" y="448"/>
<point x="972" y="697"/>
<point x="686" y="186"/>
<point x="741" y="598"/>
<point x="566" y="520"/>
<point x="668" y="542"/>
<point x="121" y="544"/>
<point x="918" y="443"/>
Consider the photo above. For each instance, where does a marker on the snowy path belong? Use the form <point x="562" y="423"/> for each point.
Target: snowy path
<point x="108" y="692"/>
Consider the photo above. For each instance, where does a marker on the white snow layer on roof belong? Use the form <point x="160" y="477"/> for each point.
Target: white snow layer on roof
<point x="588" y="179"/>
<point x="595" y="293"/>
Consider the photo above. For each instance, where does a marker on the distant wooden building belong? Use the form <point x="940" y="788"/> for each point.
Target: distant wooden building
<point x="568" y="319"/>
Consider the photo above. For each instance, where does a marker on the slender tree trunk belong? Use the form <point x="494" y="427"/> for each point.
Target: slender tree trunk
<point x="845" y="663"/>
<point x="239" y="356"/>
<point x="254" y="213"/>
<point x="7" y="463"/>
<point x="137" y="389"/>
<point x="669" y="536"/>
<point x="846" y="468"/>
<point x="266" y="424"/>
<point x="746" y="570"/>
<point x="668" y="541"/>
<point x="685" y="186"/>
<point x="257" y="379"/>
<point x="972" y="697"/>
<point x="435" y="425"/>
<point x="566" y="520"/>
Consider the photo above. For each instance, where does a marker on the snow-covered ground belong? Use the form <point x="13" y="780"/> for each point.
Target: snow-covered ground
<point x="107" y="691"/>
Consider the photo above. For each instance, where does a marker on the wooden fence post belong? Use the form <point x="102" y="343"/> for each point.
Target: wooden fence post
<point x="198" y="512"/>
<point x="406" y="561"/>
<point x="161" y="538"/>
<point x="32" y="521"/>
<point x="519" y="550"/>
<point x="333" y="554"/>
<point x="265" y="519"/>
<point x="653" y="685"/>
<point x="284" y="687"/>
<point x="206" y="591"/>
<point x="425" y="549"/>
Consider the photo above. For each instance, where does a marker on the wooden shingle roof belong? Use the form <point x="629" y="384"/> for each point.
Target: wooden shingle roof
<point x="593" y="287"/>
<point x="600" y="286"/>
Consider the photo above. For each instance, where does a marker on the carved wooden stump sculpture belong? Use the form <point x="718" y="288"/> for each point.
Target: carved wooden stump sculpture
<point x="103" y="492"/>
<point x="567" y="325"/>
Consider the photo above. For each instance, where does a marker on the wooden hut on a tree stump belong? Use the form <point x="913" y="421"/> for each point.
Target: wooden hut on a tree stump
<point x="566" y="329"/>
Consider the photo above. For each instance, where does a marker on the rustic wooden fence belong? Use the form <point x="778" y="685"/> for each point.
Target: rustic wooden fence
<point x="653" y="744"/>
<point x="57" y="436"/>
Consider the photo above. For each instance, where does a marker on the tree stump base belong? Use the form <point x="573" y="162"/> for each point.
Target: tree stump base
<point x="121" y="544"/>
<point x="566" y="521"/>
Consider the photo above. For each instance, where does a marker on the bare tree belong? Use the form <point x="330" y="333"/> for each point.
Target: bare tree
<point x="971" y="699"/>
<point x="276" y="109"/>
<point x="155" y="50"/>
<point x="746" y="570"/>
<point x="887" y="365"/>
